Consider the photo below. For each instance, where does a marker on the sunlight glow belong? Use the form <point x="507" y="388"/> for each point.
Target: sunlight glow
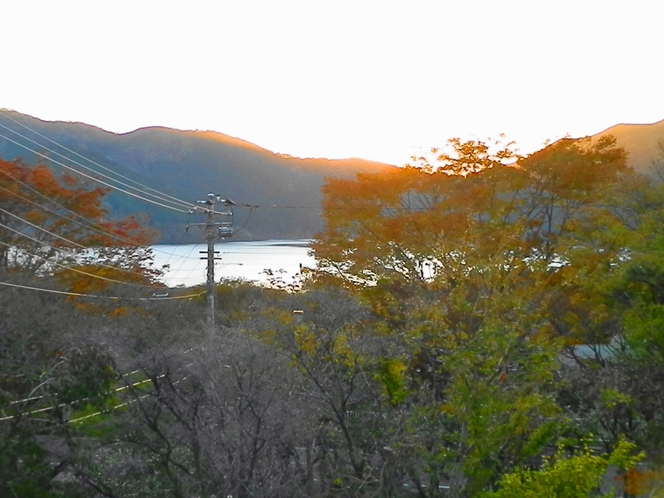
<point x="345" y="79"/>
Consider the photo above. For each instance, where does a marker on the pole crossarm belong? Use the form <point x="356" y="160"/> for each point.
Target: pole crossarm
<point x="214" y="230"/>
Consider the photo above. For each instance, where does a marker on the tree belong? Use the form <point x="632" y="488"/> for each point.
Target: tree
<point x="331" y="346"/>
<point x="49" y="222"/>
<point x="567" y="476"/>
<point x="412" y="223"/>
<point x="617" y="399"/>
<point x="478" y="269"/>
<point x="47" y="362"/>
<point x="53" y="229"/>
<point x="215" y="421"/>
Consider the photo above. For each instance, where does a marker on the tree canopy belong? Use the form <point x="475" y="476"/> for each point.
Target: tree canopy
<point x="480" y="324"/>
<point x="58" y="225"/>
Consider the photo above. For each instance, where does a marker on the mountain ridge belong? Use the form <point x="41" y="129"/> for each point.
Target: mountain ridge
<point x="640" y="140"/>
<point x="188" y="164"/>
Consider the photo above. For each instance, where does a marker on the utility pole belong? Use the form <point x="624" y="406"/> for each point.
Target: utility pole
<point x="214" y="230"/>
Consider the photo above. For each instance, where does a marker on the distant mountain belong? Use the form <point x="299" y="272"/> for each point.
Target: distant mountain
<point x="641" y="141"/>
<point x="188" y="165"/>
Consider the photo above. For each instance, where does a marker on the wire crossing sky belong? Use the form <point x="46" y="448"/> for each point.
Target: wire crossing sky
<point x="380" y="80"/>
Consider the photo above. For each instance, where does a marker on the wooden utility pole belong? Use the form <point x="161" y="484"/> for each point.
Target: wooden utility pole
<point x="214" y="230"/>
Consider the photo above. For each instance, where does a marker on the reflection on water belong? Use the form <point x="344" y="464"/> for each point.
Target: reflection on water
<point x="254" y="261"/>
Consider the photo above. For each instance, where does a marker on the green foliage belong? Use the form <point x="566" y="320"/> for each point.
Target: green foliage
<point x="565" y="475"/>
<point x="481" y="272"/>
<point x="24" y="469"/>
<point x="234" y="299"/>
<point x="642" y="290"/>
<point x="391" y="375"/>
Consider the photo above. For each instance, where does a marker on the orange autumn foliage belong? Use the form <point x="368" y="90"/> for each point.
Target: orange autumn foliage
<point x="56" y="224"/>
<point x="644" y="482"/>
<point x="387" y="224"/>
<point x="440" y="222"/>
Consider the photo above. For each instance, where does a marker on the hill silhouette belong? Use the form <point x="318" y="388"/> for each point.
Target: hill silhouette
<point x="188" y="165"/>
<point x="641" y="141"/>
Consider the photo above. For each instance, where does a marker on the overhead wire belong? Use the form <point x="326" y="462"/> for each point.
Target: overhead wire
<point x="94" y="228"/>
<point x="75" y="270"/>
<point x="185" y="259"/>
<point x="92" y="225"/>
<point x="72" y="242"/>
<point x="279" y="206"/>
<point x="241" y="229"/>
<point x="171" y="254"/>
<point x="84" y="417"/>
<point x="157" y="194"/>
<point x="179" y="210"/>
<point x="160" y="195"/>
<point x="144" y="188"/>
<point x="189" y="210"/>
<point x="96" y="296"/>
<point x="81" y="246"/>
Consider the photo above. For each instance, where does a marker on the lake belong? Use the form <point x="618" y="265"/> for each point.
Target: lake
<point x="254" y="261"/>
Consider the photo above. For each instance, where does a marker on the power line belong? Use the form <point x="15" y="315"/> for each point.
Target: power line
<point x="76" y="270"/>
<point x="161" y="195"/>
<point x="241" y="229"/>
<point x="185" y="258"/>
<point x="188" y="211"/>
<point x="114" y="298"/>
<point x="278" y="206"/>
<point x="95" y="179"/>
<point x="83" y="417"/>
<point x="87" y="167"/>
<point x="89" y="226"/>
<point x="55" y="235"/>
<point x="42" y="229"/>
<point x="144" y="188"/>
<point x="168" y="263"/>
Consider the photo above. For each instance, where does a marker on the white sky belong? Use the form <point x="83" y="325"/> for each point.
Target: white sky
<point x="371" y="79"/>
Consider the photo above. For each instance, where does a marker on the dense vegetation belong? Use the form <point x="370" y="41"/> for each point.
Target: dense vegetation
<point x="481" y="324"/>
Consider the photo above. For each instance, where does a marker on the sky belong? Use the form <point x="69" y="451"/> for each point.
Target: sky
<point x="381" y="80"/>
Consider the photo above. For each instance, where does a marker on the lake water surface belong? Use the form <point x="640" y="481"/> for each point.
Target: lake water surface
<point x="254" y="261"/>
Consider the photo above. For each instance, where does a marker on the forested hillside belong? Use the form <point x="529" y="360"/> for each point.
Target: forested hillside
<point x="188" y="165"/>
